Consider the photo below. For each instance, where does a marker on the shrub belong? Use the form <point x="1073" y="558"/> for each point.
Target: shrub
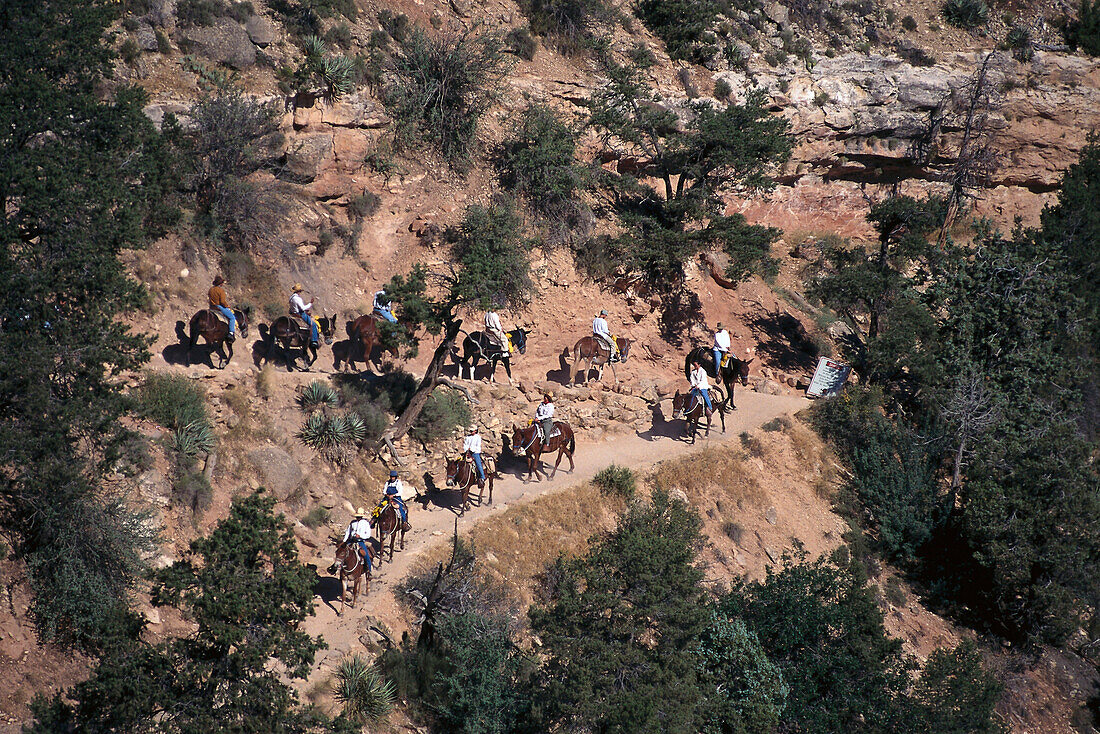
<point x="324" y="241"/>
<point x="539" y="164"/>
<point x="722" y="89"/>
<point x="915" y="55"/>
<point x="316" y="517"/>
<point x="199" y="12"/>
<point x="445" y="411"/>
<point x="965" y="13"/>
<point x="616" y="481"/>
<point x="336" y="75"/>
<point x="396" y="25"/>
<point x="318" y="394"/>
<point x="391" y="392"/>
<point x="572" y="24"/>
<point x="522" y="43"/>
<point x="130" y="51"/>
<point x="333" y="436"/>
<point x="361" y="690"/>
<point x="684" y="25"/>
<point x="1084" y="33"/>
<point x="172" y="401"/>
<point x="438" y="89"/>
<point x="364" y="205"/>
<point x="164" y="44"/>
<point x="194" y="439"/>
<point x="339" y="35"/>
<point x="775" y="57"/>
<point x="777" y="424"/>
<point x="1018" y="41"/>
<point x="909" y="23"/>
<point x="734" y="531"/>
<point x="641" y="56"/>
<point x="192" y="492"/>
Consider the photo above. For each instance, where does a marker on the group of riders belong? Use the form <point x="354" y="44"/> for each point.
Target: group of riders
<point x="359" y="532"/>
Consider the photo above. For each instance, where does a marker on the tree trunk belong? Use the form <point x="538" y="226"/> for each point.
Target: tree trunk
<point x="404" y="422"/>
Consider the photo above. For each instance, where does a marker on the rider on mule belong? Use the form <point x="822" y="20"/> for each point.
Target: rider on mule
<point x="471" y="447"/>
<point x="383" y="306"/>
<point x="721" y="347"/>
<point x="544" y="416"/>
<point x="700" y="386"/>
<point x="496" y="333"/>
<point x="301" y="309"/>
<point x="602" y="333"/>
<point x="219" y="303"/>
<point x="359" y="533"/>
<point x="392" y="493"/>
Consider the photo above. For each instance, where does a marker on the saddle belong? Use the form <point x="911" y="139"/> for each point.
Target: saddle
<point x="555" y="432"/>
<point x="488" y="462"/>
<point x="615" y="355"/>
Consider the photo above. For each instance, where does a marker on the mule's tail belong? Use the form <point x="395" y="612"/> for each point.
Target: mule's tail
<point x="572" y="443"/>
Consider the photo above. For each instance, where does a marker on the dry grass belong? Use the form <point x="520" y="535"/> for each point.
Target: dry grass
<point x="713" y="472"/>
<point x="265" y="382"/>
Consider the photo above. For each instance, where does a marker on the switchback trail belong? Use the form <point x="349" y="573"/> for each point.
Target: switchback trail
<point x="640" y="452"/>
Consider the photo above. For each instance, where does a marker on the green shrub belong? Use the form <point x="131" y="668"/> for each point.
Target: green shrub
<point x="391" y="392"/>
<point x="684" y="25"/>
<point x="641" y="55"/>
<point x="337" y="74"/>
<point x="199" y="12"/>
<point x="445" y="411"/>
<point x="777" y="424"/>
<point x="318" y="394"/>
<point x="191" y="491"/>
<point x="362" y="691"/>
<point x="1084" y="33"/>
<point x="616" y="481"/>
<point x="396" y="25"/>
<point x="364" y="205"/>
<point x="775" y="57"/>
<point x="339" y="35"/>
<point x="965" y="13"/>
<point x="572" y="24"/>
<point x="316" y="517"/>
<point x="722" y="89"/>
<point x="129" y="50"/>
<point x="172" y="401"/>
<point x="522" y="43"/>
<point x="909" y="23"/>
<point x="1018" y="40"/>
<point x="438" y="89"/>
<point x="164" y="44"/>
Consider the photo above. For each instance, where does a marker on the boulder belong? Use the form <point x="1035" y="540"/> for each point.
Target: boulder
<point x="307" y="155"/>
<point x="769" y="387"/>
<point x="261" y="31"/>
<point x="350" y="148"/>
<point x="146" y="38"/>
<point x="356" y="110"/>
<point x="278" y="470"/>
<point x="225" y="42"/>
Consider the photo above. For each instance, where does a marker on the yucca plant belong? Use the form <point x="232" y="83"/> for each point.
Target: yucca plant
<point x="361" y="690"/>
<point x="333" y="436"/>
<point x="193" y="439"/>
<point x="356" y="427"/>
<point x="337" y="73"/>
<point x="966" y="13"/>
<point x="317" y="394"/>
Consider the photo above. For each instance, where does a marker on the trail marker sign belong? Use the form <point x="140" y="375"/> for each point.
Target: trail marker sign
<point x="829" y="377"/>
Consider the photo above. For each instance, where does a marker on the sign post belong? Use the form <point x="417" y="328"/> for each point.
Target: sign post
<point x="829" y="377"/>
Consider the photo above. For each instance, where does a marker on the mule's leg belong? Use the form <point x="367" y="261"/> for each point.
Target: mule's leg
<point x="465" y="493"/>
<point x="492" y="369"/>
<point x="229" y="357"/>
<point x="402" y="536"/>
<point x="491" y="476"/>
<point x="561" y="451"/>
<point x="343" y="592"/>
<point x="366" y="583"/>
<point x="393" y="539"/>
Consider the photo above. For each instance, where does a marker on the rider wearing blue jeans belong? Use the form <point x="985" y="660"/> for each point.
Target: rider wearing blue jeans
<point x="301" y="309"/>
<point x="699" y="384"/>
<point x="472" y="445"/>
<point x="219" y="303"/>
<point x="359" y="532"/>
<point x="393" y="492"/>
<point x="721" y="347"/>
<point x="383" y="307"/>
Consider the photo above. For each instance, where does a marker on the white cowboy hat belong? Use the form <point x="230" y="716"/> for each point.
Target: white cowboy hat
<point x="360" y="512"/>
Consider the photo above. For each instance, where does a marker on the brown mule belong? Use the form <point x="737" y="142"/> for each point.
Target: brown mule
<point x="210" y="326"/>
<point x="389" y="525"/>
<point x="352" y="567"/>
<point x="462" y="474"/>
<point x="734" y="371"/>
<point x="595" y="352"/>
<point x="692" y="409"/>
<point x="526" y="441"/>
<point x="363" y="333"/>
<point x="293" y="334"/>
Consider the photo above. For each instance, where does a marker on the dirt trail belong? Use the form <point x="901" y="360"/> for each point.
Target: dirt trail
<point x="434" y="525"/>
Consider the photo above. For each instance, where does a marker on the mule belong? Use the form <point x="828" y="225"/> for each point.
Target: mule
<point x="388" y="523"/>
<point x="692" y="409"/>
<point x="526" y="441"/>
<point x="363" y="333"/>
<point x="351" y="567"/>
<point x="478" y="346"/>
<point x="292" y="333"/>
<point x="462" y="475"/>
<point x="735" y="369"/>
<point x="210" y="326"/>
<point x="598" y="355"/>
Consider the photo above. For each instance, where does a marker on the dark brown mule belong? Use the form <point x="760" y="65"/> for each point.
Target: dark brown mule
<point x="364" y="334"/>
<point x="352" y="567"/>
<point x="388" y="524"/>
<point x="735" y="369"/>
<point x="210" y="326"/>
<point x="292" y="333"/>
<point x="596" y="353"/>
<point x="526" y="442"/>
<point x="462" y="475"/>
<point x="693" y="410"/>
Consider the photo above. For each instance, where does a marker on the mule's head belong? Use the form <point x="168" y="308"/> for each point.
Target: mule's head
<point x="452" y="471"/>
<point x="519" y="340"/>
<point x="624" y="348"/>
<point x="678" y="402"/>
<point x="327" y="326"/>
<point x="743" y="370"/>
<point x="242" y="321"/>
<point x="517" y="440"/>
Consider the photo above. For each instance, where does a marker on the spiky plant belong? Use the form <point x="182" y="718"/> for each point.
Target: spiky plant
<point x="361" y="690"/>
<point x="337" y="73"/>
<point x="356" y="427"/>
<point x="966" y="13"/>
<point x="333" y="436"/>
<point x="317" y="394"/>
<point x="193" y="439"/>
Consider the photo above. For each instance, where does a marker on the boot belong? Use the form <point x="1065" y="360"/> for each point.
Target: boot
<point x="405" y="526"/>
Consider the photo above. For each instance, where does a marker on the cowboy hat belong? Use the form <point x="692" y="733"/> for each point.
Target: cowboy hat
<point x="218" y="280"/>
<point x="603" y="312"/>
<point x="360" y="512"/>
<point x="548" y="395"/>
<point x="471" y="429"/>
<point x="393" y="473"/>
<point x="719" y="324"/>
<point x="297" y="287"/>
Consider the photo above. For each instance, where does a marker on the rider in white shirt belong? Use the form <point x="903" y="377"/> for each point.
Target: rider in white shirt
<point x="472" y="445"/>
<point x="301" y="309"/>
<point x="544" y="416"/>
<point x="700" y="385"/>
<point x="383" y="307"/>
<point x="359" y="532"/>
<point x="495" y="330"/>
<point x="602" y="332"/>
<point x="393" y="490"/>
<point x="721" y="346"/>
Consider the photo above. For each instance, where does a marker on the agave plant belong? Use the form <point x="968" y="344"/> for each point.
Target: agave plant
<point x="356" y="427"/>
<point x="193" y="439"/>
<point x="361" y="690"/>
<point x="333" y="436"/>
<point x="338" y="75"/>
<point x="317" y="394"/>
